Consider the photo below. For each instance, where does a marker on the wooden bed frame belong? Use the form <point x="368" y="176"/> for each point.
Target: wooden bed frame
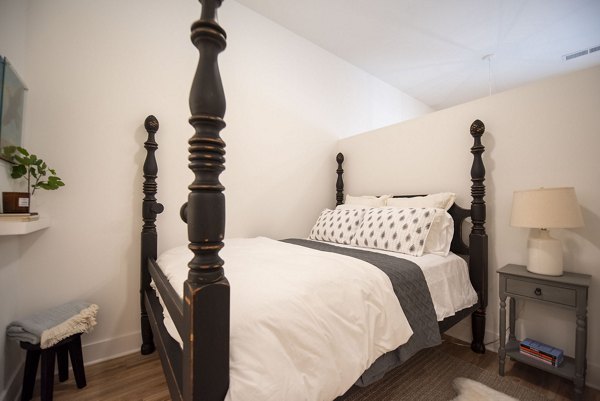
<point x="201" y="370"/>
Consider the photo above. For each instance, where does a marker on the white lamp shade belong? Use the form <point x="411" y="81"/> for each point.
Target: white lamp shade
<point x="546" y="208"/>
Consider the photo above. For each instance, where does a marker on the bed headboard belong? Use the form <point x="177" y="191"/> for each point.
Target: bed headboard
<point x="476" y="251"/>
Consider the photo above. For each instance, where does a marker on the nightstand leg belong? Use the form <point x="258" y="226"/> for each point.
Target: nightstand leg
<point x="502" y="333"/>
<point x="580" y="354"/>
<point x="512" y="316"/>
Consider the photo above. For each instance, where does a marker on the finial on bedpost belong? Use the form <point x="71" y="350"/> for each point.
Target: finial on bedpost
<point x="150" y="208"/>
<point x="478" y="261"/>
<point x="206" y="291"/>
<point x="339" y="185"/>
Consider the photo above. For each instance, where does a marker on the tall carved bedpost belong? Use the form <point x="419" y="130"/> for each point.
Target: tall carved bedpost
<point x="339" y="185"/>
<point x="150" y="208"/>
<point x="478" y="239"/>
<point x="206" y="291"/>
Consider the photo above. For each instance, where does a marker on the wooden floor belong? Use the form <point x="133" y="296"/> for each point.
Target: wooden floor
<point x="137" y="377"/>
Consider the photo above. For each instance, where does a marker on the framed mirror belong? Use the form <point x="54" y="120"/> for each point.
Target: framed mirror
<point x="12" y="103"/>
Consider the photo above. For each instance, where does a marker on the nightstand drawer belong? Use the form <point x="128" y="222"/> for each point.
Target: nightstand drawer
<point x="543" y="292"/>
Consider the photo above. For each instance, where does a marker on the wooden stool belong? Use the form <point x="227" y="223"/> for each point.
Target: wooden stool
<point x="60" y="351"/>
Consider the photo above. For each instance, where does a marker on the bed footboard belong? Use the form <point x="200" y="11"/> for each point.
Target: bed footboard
<point x="150" y="209"/>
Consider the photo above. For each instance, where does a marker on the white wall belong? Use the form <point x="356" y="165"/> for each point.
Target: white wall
<point x="544" y="134"/>
<point x="13" y="38"/>
<point x="95" y="71"/>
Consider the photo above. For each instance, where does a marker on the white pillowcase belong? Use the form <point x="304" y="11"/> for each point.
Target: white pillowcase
<point x="440" y="235"/>
<point x="343" y="206"/>
<point x="442" y="200"/>
<point x="338" y="225"/>
<point x="398" y="230"/>
<point x="369" y="201"/>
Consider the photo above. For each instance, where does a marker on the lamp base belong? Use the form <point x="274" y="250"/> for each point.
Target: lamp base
<point x="545" y="255"/>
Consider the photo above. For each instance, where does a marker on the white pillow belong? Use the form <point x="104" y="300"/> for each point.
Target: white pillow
<point x="439" y="240"/>
<point x="338" y="225"/>
<point x="344" y="206"/>
<point x="440" y="235"/>
<point x="369" y="201"/>
<point x="442" y="200"/>
<point x="398" y="230"/>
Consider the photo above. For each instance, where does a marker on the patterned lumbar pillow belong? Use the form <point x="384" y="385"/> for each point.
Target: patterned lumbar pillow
<point x="397" y="230"/>
<point x="337" y="225"/>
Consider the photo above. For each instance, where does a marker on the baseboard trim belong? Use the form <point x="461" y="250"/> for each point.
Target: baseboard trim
<point x="111" y="348"/>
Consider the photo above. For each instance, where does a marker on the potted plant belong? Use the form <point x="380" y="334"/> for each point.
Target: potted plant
<point x="35" y="171"/>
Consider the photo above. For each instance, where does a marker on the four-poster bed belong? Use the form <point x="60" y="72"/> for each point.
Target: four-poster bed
<point x="199" y="369"/>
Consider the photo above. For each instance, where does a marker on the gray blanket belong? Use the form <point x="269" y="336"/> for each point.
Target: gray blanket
<point x="411" y="289"/>
<point x="53" y="325"/>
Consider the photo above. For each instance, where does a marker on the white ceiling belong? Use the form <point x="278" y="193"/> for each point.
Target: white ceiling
<point x="434" y="50"/>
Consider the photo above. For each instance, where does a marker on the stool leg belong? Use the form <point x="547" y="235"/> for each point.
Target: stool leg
<point x="31" y="363"/>
<point x="47" y="373"/>
<point x="62" y="356"/>
<point x="77" y="361"/>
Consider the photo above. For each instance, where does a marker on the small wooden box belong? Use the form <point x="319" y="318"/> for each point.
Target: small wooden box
<point x="15" y="202"/>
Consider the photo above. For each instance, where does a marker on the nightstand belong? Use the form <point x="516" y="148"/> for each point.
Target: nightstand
<point x="569" y="291"/>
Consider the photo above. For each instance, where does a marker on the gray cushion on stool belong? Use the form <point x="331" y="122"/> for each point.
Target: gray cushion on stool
<point x="51" y="326"/>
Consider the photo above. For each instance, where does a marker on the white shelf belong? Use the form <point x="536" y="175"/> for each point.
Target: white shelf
<point x="23" y="227"/>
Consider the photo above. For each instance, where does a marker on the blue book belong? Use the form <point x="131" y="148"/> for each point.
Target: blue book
<point x="545" y="349"/>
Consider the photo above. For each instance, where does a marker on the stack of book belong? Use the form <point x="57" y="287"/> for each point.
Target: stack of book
<point x="542" y="352"/>
<point x="19" y="216"/>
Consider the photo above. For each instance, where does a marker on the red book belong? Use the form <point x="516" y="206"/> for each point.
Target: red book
<point x="538" y="358"/>
<point x="537" y="354"/>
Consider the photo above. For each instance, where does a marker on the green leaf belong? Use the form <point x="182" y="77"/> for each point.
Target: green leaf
<point x="22" y="151"/>
<point x="56" y="181"/>
<point x="18" y="171"/>
<point x="21" y="160"/>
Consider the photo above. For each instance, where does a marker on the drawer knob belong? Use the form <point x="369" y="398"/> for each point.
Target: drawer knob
<point x="538" y="291"/>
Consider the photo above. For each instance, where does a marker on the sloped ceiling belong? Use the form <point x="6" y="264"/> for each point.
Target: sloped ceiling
<point x="435" y="50"/>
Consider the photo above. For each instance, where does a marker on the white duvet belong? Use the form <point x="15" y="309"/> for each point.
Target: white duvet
<point x="305" y="324"/>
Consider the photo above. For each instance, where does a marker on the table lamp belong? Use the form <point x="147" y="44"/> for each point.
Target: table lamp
<point x="543" y="209"/>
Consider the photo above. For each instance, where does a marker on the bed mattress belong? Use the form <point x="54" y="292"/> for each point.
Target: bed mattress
<point x="447" y="278"/>
<point x="312" y="352"/>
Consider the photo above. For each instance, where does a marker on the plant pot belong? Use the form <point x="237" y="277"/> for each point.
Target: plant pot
<point x="15" y="202"/>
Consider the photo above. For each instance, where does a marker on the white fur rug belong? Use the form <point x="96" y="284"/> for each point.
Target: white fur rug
<point x="470" y="390"/>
